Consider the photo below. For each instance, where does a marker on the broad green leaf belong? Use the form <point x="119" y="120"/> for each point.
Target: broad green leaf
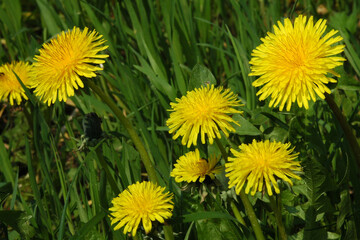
<point x="215" y="229"/>
<point x="245" y="128"/>
<point x="200" y="76"/>
<point x="342" y="20"/>
<point x="51" y="19"/>
<point x="276" y="133"/>
<point x="297" y="236"/>
<point x="276" y="120"/>
<point x="332" y="235"/>
<point x="87" y="227"/>
<point x="346" y="82"/>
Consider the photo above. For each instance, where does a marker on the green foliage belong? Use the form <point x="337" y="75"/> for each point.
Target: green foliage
<point x="159" y="50"/>
<point x="201" y="76"/>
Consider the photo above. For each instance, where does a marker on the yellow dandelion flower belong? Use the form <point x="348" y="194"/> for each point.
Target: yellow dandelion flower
<point x="61" y="63"/>
<point x="293" y="62"/>
<point x="203" y="110"/>
<point x="261" y="162"/>
<point x="143" y="202"/>
<point x="10" y="87"/>
<point x="191" y="167"/>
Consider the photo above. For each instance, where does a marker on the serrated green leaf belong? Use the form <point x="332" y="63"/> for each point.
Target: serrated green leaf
<point x="314" y="178"/>
<point x="344" y="208"/>
<point x="350" y="231"/>
<point x="19" y="221"/>
<point x="313" y="229"/>
<point x="319" y="203"/>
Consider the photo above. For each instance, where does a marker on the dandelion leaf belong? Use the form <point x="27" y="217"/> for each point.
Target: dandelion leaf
<point x="200" y="76"/>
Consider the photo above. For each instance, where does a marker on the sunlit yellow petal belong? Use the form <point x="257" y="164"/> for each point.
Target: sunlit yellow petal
<point x="293" y="62"/>
<point x="260" y="162"/>
<point x="61" y="62"/>
<point x="203" y="110"/>
<point x="10" y="89"/>
<point x="143" y="202"/>
<point x="192" y="168"/>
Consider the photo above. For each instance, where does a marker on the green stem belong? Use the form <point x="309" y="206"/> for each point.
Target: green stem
<point x="222" y="149"/>
<point x="130" y="129"/>
<point x="244" y="198"/>
<point x="251" y="214"/>
<point x="354" y="145"/>
<point x="104" y="165"/>
<point x="168" y="232"/>
<point x="169" y="235"/>
<point x="237" y="213"/>
<point x="276" y="207"/>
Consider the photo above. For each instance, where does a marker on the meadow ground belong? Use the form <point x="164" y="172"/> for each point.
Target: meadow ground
<point x="246" y="113"/>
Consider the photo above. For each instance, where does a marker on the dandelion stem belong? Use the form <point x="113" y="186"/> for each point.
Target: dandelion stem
<point x="130" y="129"/>
<point x="168" y="232"/>
<point x="251" y="214"/>
<point x="276" y="207"/>
<point x="345" y="126"/>
<point x="222" y="149"/>
<point x="237" y="213"/>
<point x="169" y="235"/>
<point x="244" y="198"/>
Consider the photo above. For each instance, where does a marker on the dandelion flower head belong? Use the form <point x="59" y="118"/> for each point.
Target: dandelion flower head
<point x="62" y="61"/>
<point x="259" y="163"/>
<point x="11" y="89"/>
<point x="145" y="202"/>
<point x="203" y="110"/>
<point x="294" y="62"/>
<point x="190" y="168"/>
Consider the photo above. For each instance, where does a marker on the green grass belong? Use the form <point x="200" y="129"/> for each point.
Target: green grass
<point x="51" y="190"/>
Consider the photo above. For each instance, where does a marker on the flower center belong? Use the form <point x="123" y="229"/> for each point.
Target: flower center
<point x="263" y="161"/>
<point x="299" y="60"/>
<point x="202" y="110"/>
<point x="202" y="167"/>
<point x="143" y="205"/>
<point x="66" y="65"/>
<point x="298" y="56"/>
